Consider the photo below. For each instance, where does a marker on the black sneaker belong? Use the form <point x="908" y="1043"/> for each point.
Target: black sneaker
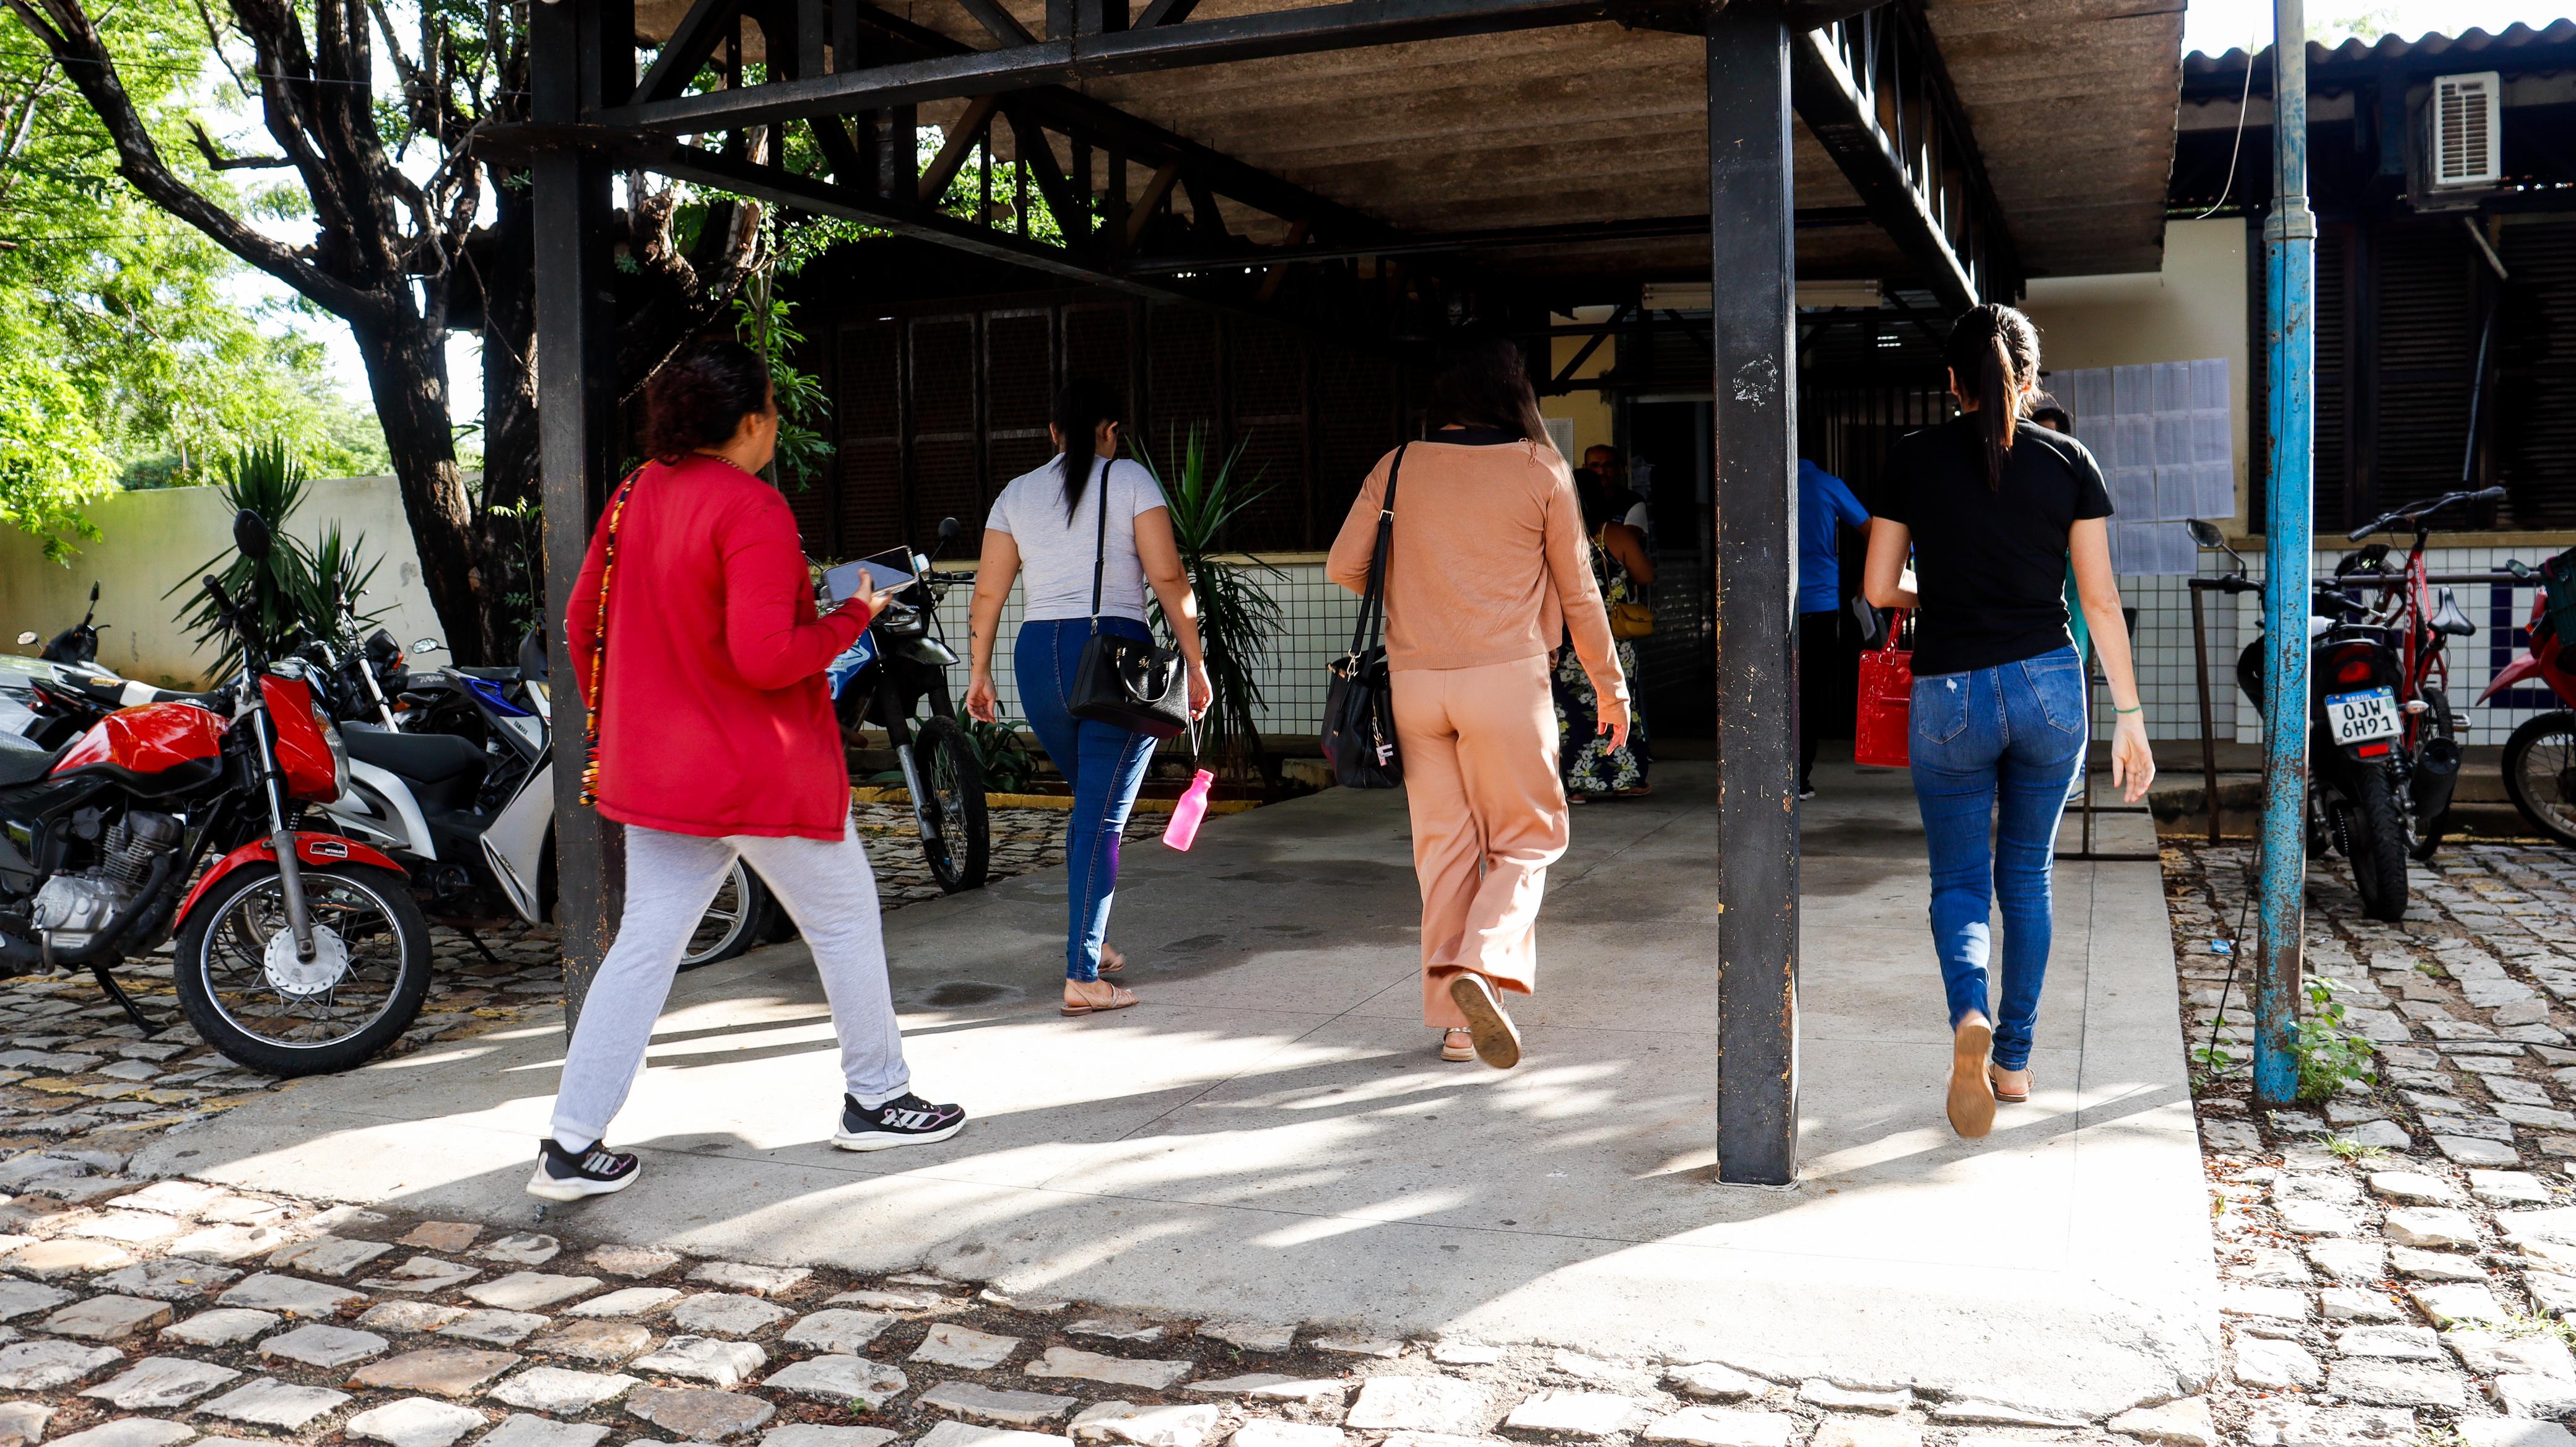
<point x="599" y="1171"/>
<point x="906" y="1120"/>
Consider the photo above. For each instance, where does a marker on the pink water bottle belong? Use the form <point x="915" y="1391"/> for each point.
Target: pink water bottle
<point x="1184" y="828"/>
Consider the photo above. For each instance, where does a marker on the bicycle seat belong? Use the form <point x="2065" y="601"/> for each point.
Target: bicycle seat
<point x="24" y="761"/>
<point x="2449" y="620"/>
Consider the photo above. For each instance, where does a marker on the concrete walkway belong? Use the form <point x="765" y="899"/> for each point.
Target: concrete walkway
<point x="1269" y="1136"/>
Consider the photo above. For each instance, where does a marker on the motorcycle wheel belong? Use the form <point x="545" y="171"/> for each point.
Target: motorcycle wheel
<point x="2375" y="839"/>
<point x="235" y="1001"/>
<point x="2441" y="723"/>
<point x="961" y="849"/>
<point x="2540" y="773"/>
<point x="734" y="921"/>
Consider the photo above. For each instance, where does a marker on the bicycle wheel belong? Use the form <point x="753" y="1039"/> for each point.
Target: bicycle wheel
<point x="247" y="993"/>
<point x="2540" y="773"/>
<point x="953" y="779"/>
<point x="733" y="921"/>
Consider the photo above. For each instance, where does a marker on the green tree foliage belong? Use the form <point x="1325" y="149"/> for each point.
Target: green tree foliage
<point x="130" y="356"/>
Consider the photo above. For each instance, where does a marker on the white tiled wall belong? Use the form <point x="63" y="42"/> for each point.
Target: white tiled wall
<point x="2164" y="648"/>
<point x="1318" y="617"/>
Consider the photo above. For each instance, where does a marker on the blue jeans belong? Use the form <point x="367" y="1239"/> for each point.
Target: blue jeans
<point x="1995" y="749"/>
<point x="1104" y="763"/>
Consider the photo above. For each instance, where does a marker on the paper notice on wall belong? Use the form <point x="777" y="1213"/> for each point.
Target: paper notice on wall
<point x="2163" y="436"/>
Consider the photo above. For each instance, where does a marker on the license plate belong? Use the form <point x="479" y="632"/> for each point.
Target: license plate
<point x="2360" y="717"/>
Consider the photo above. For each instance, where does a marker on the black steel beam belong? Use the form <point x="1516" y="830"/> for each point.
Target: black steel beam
<point x="1513" y="238"/>
<point x="1840" y="109"/>
<point x="579" y="55"/>
<point x="1754" y="290"/>
<point x="692" y="44"/>
<point x="1072" y="59"/>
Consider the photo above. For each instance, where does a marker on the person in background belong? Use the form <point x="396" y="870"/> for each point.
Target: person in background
<point x="1608" y="466"/>
<point x="1487" y="571"/>
<point x="1050" y="524"/>
<point x="2045" y="412"/>
<point x="694" y="639"/>
<point x="1592" y="766"/>
<point x="1991" y="506"/>
<point x="1825" y="508"/>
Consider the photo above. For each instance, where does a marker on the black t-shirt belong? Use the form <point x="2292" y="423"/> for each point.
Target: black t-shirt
<point x="1989" y="564"/>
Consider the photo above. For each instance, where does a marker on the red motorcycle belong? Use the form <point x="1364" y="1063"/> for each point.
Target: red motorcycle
<point x="2540" y="758"/>
<point x="297" y="951"/>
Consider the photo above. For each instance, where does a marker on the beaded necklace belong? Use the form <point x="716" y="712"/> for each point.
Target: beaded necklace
<point x="599" y="649"/>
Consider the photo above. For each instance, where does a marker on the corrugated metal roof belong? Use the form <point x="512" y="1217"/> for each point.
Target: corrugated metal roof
<point x="2516" y="47"/>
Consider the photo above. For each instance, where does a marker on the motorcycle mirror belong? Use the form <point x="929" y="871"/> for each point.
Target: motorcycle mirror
<point x="427" y="645"/>
<point x="26" y="638"/>
<point x="949" y="528"/>
<point x="251" y="534"/>
<point x="93" y="592"/>
<point x="2206" y="533"/>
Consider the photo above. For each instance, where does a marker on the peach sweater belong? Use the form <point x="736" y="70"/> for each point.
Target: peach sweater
<point x="1488" y="540"/>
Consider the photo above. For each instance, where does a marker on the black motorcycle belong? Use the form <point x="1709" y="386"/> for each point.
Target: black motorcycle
<point x="907" y="670"/>
<point x="76" y="644"/>
<point x="2383" y="747"/>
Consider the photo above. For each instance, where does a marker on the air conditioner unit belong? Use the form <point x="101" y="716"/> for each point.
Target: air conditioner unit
<point x="2467" y="133"/>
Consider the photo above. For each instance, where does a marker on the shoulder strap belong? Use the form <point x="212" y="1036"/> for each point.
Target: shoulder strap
<point x="1364" y="632"/>
<point x="1100" y="552"/>
<point x="599" y="646"/>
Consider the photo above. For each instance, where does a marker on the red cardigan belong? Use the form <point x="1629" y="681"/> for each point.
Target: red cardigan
<point x="715" y="719"/>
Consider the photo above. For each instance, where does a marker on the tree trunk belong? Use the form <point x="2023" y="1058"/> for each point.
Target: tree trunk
<point x="407" y="374"/>
<point x="508" y="542"/>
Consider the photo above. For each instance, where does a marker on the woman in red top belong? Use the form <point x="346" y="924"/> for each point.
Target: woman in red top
<point x="716" y="739"/>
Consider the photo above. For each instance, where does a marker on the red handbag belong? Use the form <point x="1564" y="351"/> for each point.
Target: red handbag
<point x="1880" y="733"/>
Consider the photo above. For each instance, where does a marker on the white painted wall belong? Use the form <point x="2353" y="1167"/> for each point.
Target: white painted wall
<point x="153" y="540"/>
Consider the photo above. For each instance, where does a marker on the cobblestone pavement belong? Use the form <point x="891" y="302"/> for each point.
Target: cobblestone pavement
<point x="2397" y="1264"/>
<point x="77" y="1075"/>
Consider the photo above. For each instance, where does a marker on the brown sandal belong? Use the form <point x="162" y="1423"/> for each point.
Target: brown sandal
<point x="1992" y="1074"/>
<point x="1111" y="962"/>
<point x="1119" y="999"/>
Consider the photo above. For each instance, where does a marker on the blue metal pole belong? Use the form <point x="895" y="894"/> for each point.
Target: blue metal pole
<point x="2289" y="245"/>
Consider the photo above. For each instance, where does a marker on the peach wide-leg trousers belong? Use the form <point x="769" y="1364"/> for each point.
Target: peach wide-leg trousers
<point x="1479" y="748"/>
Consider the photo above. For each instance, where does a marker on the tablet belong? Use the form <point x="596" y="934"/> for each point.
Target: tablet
<point x="882" y="571"/>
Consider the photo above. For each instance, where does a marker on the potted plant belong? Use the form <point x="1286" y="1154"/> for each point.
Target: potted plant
<point x="1237" y="615"/>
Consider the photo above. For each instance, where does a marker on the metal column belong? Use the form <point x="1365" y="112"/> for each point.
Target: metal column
<point x="2289" y="246"/>
<point x="581" y="52"/>
<point x="1752" y="230"/>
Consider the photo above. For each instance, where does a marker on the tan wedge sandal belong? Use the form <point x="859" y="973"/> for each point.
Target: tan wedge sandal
<point x="1994" y="1077"/>
<point x="1080" y="1004"/>
<point x="1457" y="1044"/>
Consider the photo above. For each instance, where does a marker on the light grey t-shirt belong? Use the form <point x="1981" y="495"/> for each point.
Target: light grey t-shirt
<point x="1056" y="555"/>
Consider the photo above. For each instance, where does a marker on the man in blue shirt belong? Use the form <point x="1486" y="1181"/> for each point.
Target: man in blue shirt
<point x="1825" y="507"/>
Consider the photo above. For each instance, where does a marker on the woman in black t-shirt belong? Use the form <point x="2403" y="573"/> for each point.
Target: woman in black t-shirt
<point x="1994" y="507"/>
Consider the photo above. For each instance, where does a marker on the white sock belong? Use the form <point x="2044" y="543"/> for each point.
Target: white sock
<point x="576" y="1151"/>
<point x="867" y="1102"/>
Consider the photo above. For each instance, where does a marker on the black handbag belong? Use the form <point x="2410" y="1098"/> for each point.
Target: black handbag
<point x="1359" y="709"/>
<point x="1121" y="681"/>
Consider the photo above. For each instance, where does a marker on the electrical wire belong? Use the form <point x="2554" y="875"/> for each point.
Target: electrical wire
<point x="2236" y="149"/>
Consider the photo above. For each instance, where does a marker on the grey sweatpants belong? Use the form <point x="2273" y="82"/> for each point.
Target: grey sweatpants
<point x="670" y="880"/>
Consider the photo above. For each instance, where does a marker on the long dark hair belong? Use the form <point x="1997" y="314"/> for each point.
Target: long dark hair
<point x="1993" y="353"/>
<point x="1485" y="384"/>
<point x="1081" y="405"/>
<point x="699" y="397"/>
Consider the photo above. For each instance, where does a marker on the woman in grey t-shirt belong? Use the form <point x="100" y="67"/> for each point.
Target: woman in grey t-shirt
<point x="1048" y="524"/>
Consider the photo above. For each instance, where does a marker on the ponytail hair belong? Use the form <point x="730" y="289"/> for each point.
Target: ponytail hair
<point x="1993" y="355"/>
<point x="1081" y="406"/>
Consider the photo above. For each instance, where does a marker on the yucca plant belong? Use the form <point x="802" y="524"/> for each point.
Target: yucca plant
<point x="1237" y="615"/>
<point x="292" y="594"/>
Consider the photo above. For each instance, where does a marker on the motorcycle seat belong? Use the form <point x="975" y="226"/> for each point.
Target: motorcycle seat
<point x="23" y="761"/>
<point x="491" y="675"/>
<point x="2449" y="620"/>
<point x="421" y="758"/>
